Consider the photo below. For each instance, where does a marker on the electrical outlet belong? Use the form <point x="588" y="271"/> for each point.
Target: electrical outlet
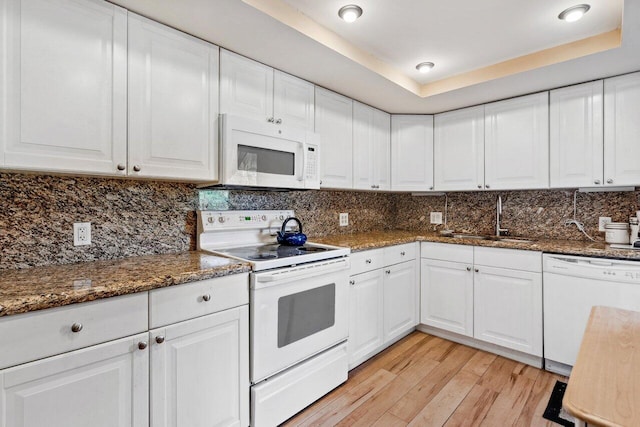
<point x="436" y="217"/>
<point x="344" y="219"/>
<point x="81" y="233"/>
<point x="602" y="221"/>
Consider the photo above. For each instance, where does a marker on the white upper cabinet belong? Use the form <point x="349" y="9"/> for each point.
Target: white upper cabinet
<point x="517" y="143"/>
<point x="411" y="153"/>
<point x="173" y="103"/>
<point x="459" y="150"/>
<point x="576" y="136"/>
<point x="334" y="124"/>
<point x="251" y="89"/>
<point x="65" y="86"/>
<point x="622" y="130"/>
<point x="293" y="101"/>
<point x="371" y="148"/>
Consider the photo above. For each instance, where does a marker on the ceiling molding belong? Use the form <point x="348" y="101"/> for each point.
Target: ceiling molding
<point x="293" y="18"/>
<point x="542" y="58"/>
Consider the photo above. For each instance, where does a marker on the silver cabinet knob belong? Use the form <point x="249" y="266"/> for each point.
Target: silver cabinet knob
<point x="468" y="268"/>
<point x="352" y="282"/>
<point x="388" y="271"/>
<point x="609" y="181"/>
<point x="142" y="345"/>
<point x="431" y="188"/>
<point x="479" y="185"/>
<point x="373" y="186"/>
<point x="136" y="168"/>
<point x="160" y="339"/>
<point x="487" y="186"/>
<point x="402" y="253"/>
<point x="279" y="121"/>
<point x="368" y="261"/>
<point x="270" y="119"/>
<point x="476" y="270"/>
<point x="121" y="167"/>
<point x="206" y="297"/>
<point x="320" y="182"/>
<point x="597" y="181"/>
<point x="76" y="327"/>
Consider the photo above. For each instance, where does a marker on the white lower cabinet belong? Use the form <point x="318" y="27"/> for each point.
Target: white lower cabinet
<point x="447" y="296"/>
<point x="200" y="371"/>
<point x="508" y="308"/>
<point x="490" y="294"/>
<point x="383" y="299"/>
<point x="105" y="385"/>
<point x="365" y="315"/>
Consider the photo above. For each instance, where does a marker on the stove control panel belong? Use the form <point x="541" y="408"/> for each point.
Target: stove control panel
<point x="229" y="220"/>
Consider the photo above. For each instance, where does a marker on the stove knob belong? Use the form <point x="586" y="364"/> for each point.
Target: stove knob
<point x="221" y="219"/>
<point x="281" y="217"/>
<point x="210" y="219"/>
<point x="264" y="217"/>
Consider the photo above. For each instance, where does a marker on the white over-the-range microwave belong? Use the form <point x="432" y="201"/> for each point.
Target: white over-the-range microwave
<point x="256" y="154"/>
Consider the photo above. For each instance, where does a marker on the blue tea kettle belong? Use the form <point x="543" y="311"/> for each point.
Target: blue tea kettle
<point x="291" y="238"/>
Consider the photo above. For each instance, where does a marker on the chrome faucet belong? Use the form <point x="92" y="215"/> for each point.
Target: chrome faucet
<point x="500" y="231"/>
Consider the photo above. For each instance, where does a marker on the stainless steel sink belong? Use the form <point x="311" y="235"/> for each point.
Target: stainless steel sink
<point x="513" y="240"/>
<point x="471" y="236"/>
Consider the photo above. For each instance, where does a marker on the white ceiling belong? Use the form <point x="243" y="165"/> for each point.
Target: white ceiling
<point x="478" y="41"/>
<point x="459" y="35"/>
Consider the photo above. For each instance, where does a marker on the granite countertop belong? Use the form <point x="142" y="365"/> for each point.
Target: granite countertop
<point x="378" y="239"/>
<point x="39" y="288"/>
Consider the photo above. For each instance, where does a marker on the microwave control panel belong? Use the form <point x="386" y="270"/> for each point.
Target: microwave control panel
<point x="311" y="166"/>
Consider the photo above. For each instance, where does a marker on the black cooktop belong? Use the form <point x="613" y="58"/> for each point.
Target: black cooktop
<point x="272" y="251"/>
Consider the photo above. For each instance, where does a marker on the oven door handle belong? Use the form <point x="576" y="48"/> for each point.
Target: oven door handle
<point x="308" y="270"/>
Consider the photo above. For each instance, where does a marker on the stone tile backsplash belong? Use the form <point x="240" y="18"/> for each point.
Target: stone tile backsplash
<point x="147" y="217"/>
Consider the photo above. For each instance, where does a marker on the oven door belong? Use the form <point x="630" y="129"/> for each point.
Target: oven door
<point x="297" y="312"/>
<point x="261" y="154"/>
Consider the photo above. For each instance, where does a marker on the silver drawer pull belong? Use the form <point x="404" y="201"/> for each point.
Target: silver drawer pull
<point x="468" y="268"/>
<point x="76" y="327"/>
<point x="142" y="345"/>
<point x="206" y="297"/>
<point x="352" y="282"/>
<point x="160" y="339"/>
<point x="388" y="271"/>
<point x="368" y="261"/>
<point x="402" y="253"/>
<point x="476" y="270"/>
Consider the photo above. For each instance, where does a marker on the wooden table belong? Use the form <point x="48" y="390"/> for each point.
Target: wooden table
<point x="604" y="387"/>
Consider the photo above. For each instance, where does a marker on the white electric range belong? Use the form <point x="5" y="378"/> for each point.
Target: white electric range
<point x="298" y="310"/>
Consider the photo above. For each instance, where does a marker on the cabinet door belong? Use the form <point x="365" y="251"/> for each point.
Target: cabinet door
<point x="576" y="136"/>
<point x="400" y="299"/>
<point x="446" y="297"/>
<point x="365" y="316"/>
<point x="517" y="143"/>
<point x="293" y="101"/>
<point x="621" y="130"/>
<point x="459" y="150"/>
<point x="173" y="98"/>
<point x="381" y="150"/>
<point x="334" y="123"/>
<point x="101" y="386"/>
<point x="200" y="371"/>
<point x="65" y="86"/>
<point x="508" y="308"/>
<point x="411" y="153"/>
<point x="246" y="87"/>
<point x="363" y="146"/>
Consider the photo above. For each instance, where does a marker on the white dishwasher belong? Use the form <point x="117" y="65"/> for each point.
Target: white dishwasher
<point x="571" y="286"/>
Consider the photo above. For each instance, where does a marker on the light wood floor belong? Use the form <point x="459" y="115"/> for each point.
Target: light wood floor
<point x="427" y="381"/>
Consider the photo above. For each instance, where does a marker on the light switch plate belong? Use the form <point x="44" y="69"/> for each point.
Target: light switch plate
<point x="436" y="217"/>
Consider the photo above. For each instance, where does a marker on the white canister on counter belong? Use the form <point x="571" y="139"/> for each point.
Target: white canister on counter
<point x="617" y="232"/>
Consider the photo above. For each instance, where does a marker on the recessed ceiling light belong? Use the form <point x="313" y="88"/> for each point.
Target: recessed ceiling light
<point x="425" y="67"/>
<point x="350" y="12"/>
<point x="574" y="13"/>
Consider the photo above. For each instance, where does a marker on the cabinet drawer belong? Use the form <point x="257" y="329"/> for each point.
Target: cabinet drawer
<point x="447" y="252"/>
<point x="513" y="259"/>
<point x="177" y="303"/>
<point x="49" y="332"/>
<point x="399" y="253"/>
<point x="366" y="261"/>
